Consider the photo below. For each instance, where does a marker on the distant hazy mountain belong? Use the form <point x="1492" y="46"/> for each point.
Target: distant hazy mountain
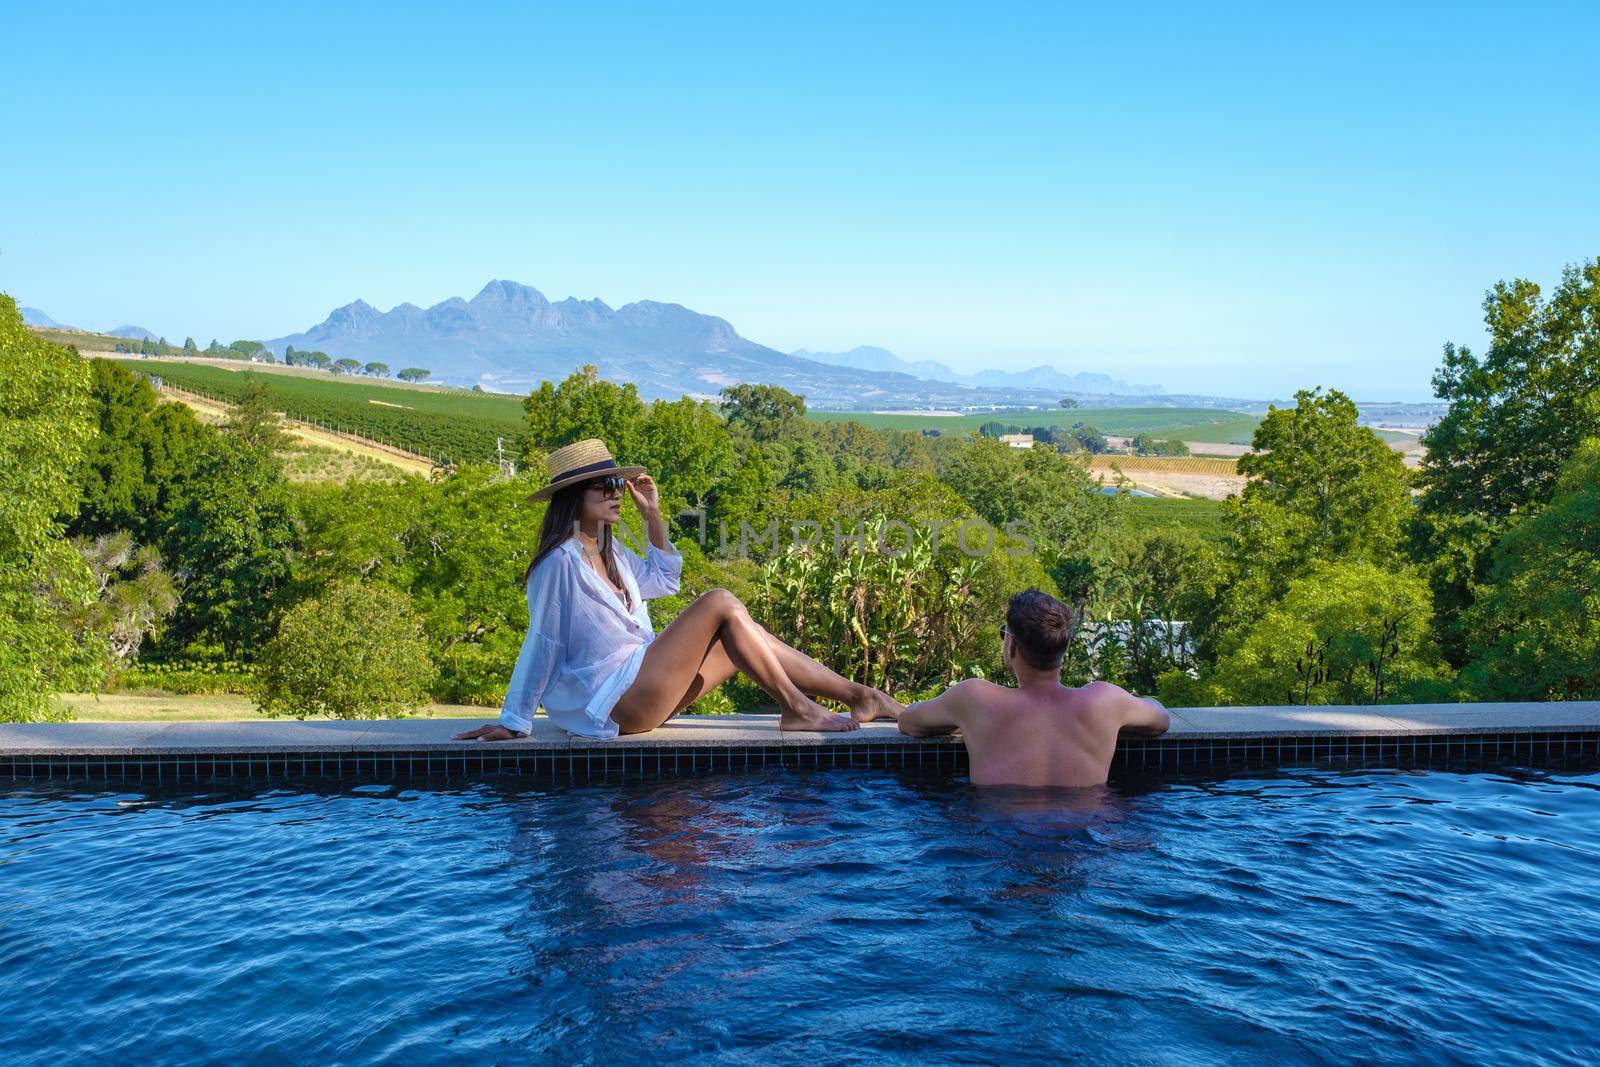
<point x="509" y="337"/>
<point x="1042" y="377"/>
<point x="133" y="333"/>
<point x="867" y="357"/>
<point x="35" y="317"/>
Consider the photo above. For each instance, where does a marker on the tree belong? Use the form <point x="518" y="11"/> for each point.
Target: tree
<point x="766" y="412"/>
<point x="358" y="652"/>
<point x="1515" y="417"/>
<point x="414" y="374"/>
<point x="229" y="544"/>
<point x="1535" y="627"/>
<point x="379" y="370"/>
<point x="290" y="356"/>
<point x="45" y="425"/>
<point x="686" y="448"/>
<point x="1068" y="402"/>
<point x="248" y="348"/>
<point x="189" y="347"/>
<point x="1343" y="633"/>
<point x="1089" y="439"/>
<point x="457" y="547"/>
<point x="134" y="595"/>
<point x="253" y="419"/>
<point x="145" y="450"/>
<point x="583" y="405"/>
<point x="1045" y="493"/>
<point x="1321" y="489"/>
<point x="347" y="366"/>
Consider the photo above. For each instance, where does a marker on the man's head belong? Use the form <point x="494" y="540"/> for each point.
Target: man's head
<point x="1038" y="629"/>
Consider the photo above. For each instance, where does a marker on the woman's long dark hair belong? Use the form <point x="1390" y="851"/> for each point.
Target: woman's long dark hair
<point x="560" y="523"/>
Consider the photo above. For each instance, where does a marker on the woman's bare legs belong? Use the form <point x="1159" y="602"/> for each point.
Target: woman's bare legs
<point x="865" y="702"/>
<point x="673" y="664"/>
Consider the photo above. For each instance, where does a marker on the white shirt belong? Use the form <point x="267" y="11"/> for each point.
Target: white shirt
<point x="584" y="646"/>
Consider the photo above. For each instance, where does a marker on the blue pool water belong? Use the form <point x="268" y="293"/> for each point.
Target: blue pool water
<point x="818" y="918"/>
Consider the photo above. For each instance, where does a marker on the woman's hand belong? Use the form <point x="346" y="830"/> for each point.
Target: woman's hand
<point x="492" y="732"/>
<point x="645" y="496"/>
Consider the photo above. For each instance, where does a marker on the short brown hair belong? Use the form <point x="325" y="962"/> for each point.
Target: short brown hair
<point x="1042" y="628"/>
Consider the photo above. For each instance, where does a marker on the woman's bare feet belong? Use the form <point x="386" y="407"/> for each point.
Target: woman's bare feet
<point x="809" y="715"/>
<point x="875" y="704"/>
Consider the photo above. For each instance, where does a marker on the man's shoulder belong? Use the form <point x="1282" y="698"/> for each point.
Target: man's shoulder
<point x="975" y="689"/>
<point x="1100" y="692"/>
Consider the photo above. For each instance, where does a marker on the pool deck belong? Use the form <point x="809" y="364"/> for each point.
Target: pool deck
<point x="1536" y="734"/>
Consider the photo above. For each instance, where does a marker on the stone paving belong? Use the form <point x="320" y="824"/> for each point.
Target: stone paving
<point x="758" y="731"/>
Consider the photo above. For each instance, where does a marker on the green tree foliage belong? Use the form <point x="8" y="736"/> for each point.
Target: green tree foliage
<point x="583" y="405"/>
<point x="686" y="448"/>
<point x="765" y="412"/>
<point x="1068" y="402"/>
<point x="1515" y="417"/>
<point x="1535" y="628"/>
<point x="748" y="496"/>
<point x="46" y="423"/>
<point x="357" y="652"/>
<point x="248" y="348"/>
<point x="253" y="419"/>
<point x="377" y="370"/>
<point x="1035" y="491"/>
<point x="189" y="347"/>
<point x="133" y="468"/>
<point x="1343" y="633"/>
<point x="456" y="546"/>
<point x="346" y="366"/>
<point x="230" y="540"/>
<point x="1138" y="604"/>
<point x="1321" y="489"/>
<point x="414" y="374"/>
<point x="134" y="596"/>
<point x="1519" y="413"/>
<point x="902" y="586"/>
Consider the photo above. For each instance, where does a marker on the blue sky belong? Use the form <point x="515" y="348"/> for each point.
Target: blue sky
<point x="1235" y="199"/>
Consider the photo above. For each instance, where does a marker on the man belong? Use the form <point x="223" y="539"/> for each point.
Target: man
<point x="1041" y="733"/>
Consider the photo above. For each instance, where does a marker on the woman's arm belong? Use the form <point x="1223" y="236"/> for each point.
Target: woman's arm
<point x="541" y="654"/>
<point x="661" y="569"/>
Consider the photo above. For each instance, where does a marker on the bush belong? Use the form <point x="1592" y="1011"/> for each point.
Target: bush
<point x="187" y="678"/>
<point x="357" y="652"/>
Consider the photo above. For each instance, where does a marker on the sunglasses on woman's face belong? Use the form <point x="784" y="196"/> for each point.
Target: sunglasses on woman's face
<point x="609" y="486"/>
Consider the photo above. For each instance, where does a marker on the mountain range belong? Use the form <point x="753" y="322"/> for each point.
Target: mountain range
<point x="35" y="317"/>
<point x="509" y="337"/>
<point x="869" y="358"/>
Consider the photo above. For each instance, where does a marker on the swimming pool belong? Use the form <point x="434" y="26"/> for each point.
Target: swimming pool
<point x="819" y="917"/>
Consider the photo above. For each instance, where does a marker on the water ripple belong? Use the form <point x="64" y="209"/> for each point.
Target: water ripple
<point x="789" y="917"/>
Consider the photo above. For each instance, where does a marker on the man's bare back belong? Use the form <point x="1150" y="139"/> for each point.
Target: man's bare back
<point x="1039" y="734"/>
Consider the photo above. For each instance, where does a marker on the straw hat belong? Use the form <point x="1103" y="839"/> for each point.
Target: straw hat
<point x="581" y="461"/>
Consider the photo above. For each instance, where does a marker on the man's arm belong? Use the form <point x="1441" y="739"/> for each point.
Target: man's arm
<point x="1144" y="716"/>
<point x="941" y="715"/>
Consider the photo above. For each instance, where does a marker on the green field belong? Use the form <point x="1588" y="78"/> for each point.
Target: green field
<point x="1202" y="516"/>
<point x="1205" y="425"/>
<point x="454" y="426"/>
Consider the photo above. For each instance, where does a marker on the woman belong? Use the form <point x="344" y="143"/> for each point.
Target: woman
<point x="591" y="657"/>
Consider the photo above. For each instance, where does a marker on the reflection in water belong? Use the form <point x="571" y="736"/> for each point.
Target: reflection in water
<point x="824" y="916"/>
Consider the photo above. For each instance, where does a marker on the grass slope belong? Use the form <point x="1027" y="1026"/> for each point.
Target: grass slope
<point x="1202" y="516"/>
<point x="450" y="426"/>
